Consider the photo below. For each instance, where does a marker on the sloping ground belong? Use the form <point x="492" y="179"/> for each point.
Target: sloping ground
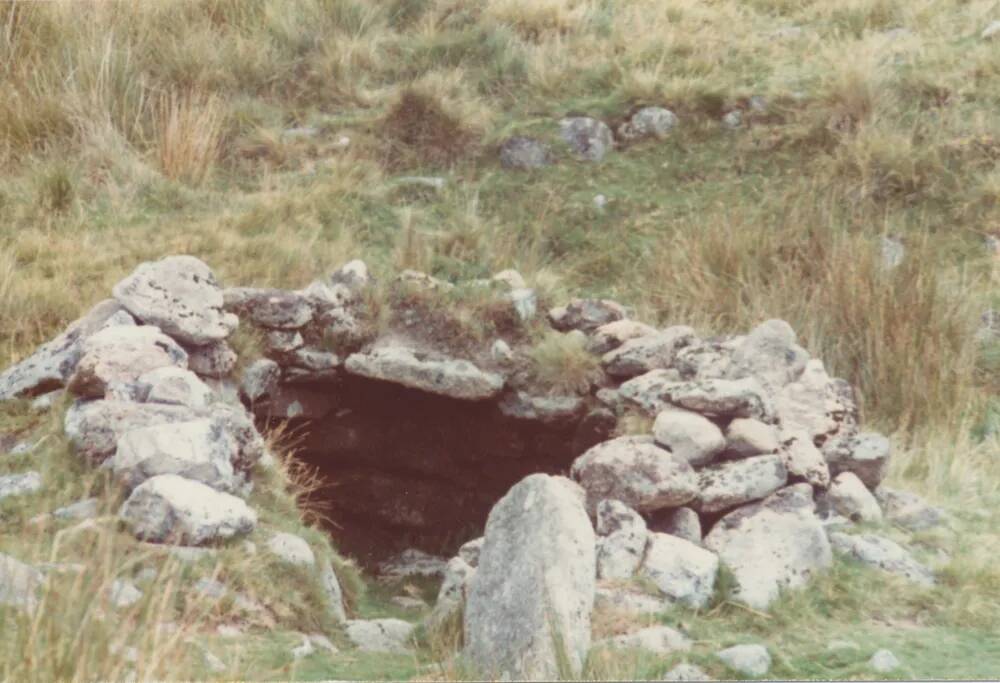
<point x="868" y="130"/>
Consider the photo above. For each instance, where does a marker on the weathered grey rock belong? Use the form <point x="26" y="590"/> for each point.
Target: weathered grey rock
<point x="380" y="635"/>
<point x="12" y="485"/>
<point x="637" y="472"/>
<point x="622" y="542"/>
<point x="736" y="482"/>
<point x="304" y="648"/>
<point x="19" y="583"/>
<point x="650" y="352"/>
<point x="291" y="549"/>
<point x="525" y="301"/>
<point x="501" y="352"/>
<point x="545" y="409"/>
<point x="216" y="360"/>
<point x="511" y="278"/>
<point x="803" y="460"/>
<point x="201" y="450"/>
<point x="628" y="600"/>
<point x="661" y="640"/>
<point x="535" y="581"/>
<point x="908" y="510"/>
<point x="51" y="366"/>
<point x="412" y="563"/>
<point x="814" y="403"/>
<point x="649" y="391"/>
<point x="648" y="122"/>
<point x="688" y="435"/>
<point x="454" y="378"/>
<point x="354" y="275"/>
<point x="123" y="594"/>
<point x="884" y="661"/>
<point x="260" y="379"/>
<point x="422" y="281"/>
<point x="771" y="354"/>
<point x="589" y="138"/>
<point x="333" y="591"/>
<point x="749" y="660"/>
<point x="881" y="553"/>
<point x="733" y="119"/>
<point x="708" y="359"/>
<point x="453" y="592"/>
<point x="270" y="308"/>
<point x="522" y="152"/>
<point x="772" y="545"/>
<point x="866" y="455"/>
<point x="683" y="571"/>
<point x="94" y="427"/>
<point x="849" y="497"/>
<point x="171" y="508"/>
<point x="120" y="355"/>
<point x="87" y="508"/>
<point x="723" y="398"/>
<point x="471" y="550"/>
<point x="746" y="438"/>
<point x="280" y="342"/>
<point x="180" y="295"/>
<point x="612" y="335"/>
<point x="176" y="386"/>
<point x="680" y="522"/>
<point x="585" y="315"/>
<point x="686" y="672"/>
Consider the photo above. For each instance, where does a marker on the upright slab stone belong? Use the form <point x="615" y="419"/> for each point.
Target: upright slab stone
<point x="180" y="295"/>
<point x="534" y="588"/>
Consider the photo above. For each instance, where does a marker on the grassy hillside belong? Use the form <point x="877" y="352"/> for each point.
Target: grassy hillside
<point x="273" y="140"/>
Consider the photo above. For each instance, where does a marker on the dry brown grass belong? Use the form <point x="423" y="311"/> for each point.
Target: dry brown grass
<point x="189" y="133"/>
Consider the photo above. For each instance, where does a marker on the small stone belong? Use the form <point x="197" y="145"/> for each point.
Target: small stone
<point x="270" y="308"/>
<point x="686" y="672"/>
<point x="866" y="455"/>
<point x="661" y="640"/>
<point x="20" y="484"/>
<point x="45" y="402"/>
<point x="991" y="31"/>
<point x="680" y="522"/>
<point x="469" y="552"/>
<point x="412" y="563"/>
<point x="648" y="122"/>
<point x="433" y="182"/>
<point x="600" y="201"/>
<point x="585" y="315"/>
<point x="521" y="152"/>
<point x="612" y="335"/>
<point x="123" y="594"/>
<point x="683" y="571"/>
<point x="454" y="378"/>
<point x="216" y="360"/>
<point x="622" y="542"/>
<point x="850" y="498"/>
<point x="334" y="594"/>
<point x="303" y="649"/>
<point x="689" y="435"/>
<point x="884" y="661"/>
<point x="649" y="352"/>
<point x="170" y="508"/>
<point x="746" y="438"/>
<point x="260" y="379"/>
<point x="749" y="660"/>
<point x="82" y="509"/>
<point x="283" y="341"/>
<point x="733" y="119"/>
<point x="176" y="386"/>
<point x="589" y="138"/>
<point x="380" y="635"/>
<point x="893" y="252"/>
<point x="803" y="460"/>
<point x="882" y="553"/>
<point x="291" y="549"/>
<point x="544" y="409"/>
<point x="501" y="352"/>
